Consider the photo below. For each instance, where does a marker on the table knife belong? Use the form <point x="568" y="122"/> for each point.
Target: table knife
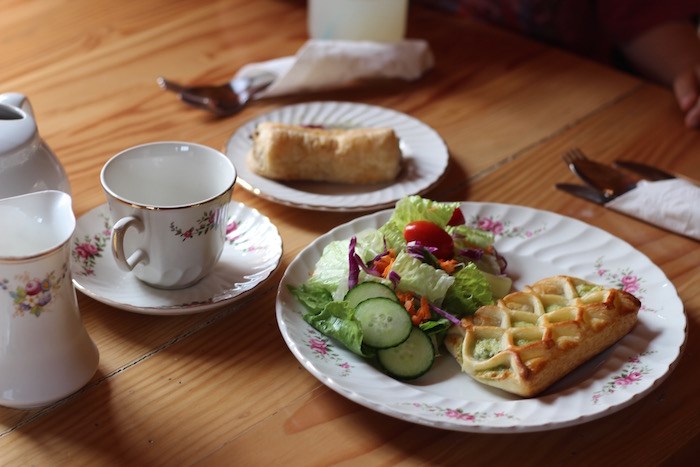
<point x="582" y="191"/>
<point x="649" y="172"/>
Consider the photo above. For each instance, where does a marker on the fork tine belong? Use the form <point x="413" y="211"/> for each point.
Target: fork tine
<point x="578" y="154"/>
<point x="170" y="85"/>
<point x="568" y="157"/>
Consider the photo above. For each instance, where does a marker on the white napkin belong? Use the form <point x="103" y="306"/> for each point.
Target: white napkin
<point x="326" y="64"/>
<point x="672" y="204"/>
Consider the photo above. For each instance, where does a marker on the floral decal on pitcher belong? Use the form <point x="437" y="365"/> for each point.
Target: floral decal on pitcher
<point x="205" y="224"/>
<point x="33" y="294"/>
<point x="87" y="249"/>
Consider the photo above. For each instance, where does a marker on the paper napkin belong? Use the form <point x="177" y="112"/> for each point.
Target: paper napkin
<point x="672" y="204"/>
<point x="327" y="64"/>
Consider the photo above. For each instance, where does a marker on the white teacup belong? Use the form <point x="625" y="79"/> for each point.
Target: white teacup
<point x="175" y="195"/>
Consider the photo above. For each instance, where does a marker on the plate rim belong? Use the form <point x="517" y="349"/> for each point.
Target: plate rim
<point x="675" y="354"/>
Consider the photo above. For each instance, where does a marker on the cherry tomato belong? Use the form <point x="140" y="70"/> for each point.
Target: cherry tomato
<point x="429" y="234"/>
<point x="457" y="217"/>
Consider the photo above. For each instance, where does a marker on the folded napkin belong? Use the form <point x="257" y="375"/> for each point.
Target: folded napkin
<point x="326" y="64"/>
<point x="672" y="204"/>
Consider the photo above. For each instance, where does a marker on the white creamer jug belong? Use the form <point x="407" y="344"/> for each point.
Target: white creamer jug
<point x="27" y="164"/>
<point x="45" y="352"/>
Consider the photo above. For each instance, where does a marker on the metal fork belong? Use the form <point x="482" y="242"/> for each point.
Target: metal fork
<point x="223" y="100"/>
<point x="604" y="178"/>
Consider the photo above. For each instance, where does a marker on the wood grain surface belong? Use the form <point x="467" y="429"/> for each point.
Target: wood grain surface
<point x="221" y="387"/>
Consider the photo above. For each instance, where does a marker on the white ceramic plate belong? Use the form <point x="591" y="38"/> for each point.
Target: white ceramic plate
<point x="425" y="158"/>
<point x="537" y="244"/>
<point x="252" y="252"/>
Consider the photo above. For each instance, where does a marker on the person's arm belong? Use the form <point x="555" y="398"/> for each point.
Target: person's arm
<point x="670" y="54"/>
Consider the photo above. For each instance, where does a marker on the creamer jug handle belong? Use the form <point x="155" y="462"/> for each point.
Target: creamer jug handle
<point x="17" y="100"/>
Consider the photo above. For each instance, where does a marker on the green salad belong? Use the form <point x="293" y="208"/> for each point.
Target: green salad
<point x="391" y="294"/>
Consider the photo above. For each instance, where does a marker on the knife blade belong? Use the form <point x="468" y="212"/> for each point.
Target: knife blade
<point x="582" y="191"/>
<point x="647" y="171"/>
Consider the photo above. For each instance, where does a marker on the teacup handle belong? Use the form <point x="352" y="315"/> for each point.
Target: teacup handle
<point x="118" y="233"/>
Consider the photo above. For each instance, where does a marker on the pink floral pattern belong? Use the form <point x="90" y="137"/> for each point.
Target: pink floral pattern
<point x="232" y="231"/>
<point x="322" y="349"/>
<point x="31" y="294"/>
<point x="633" y="372"/>
<point x="205" y="224"/>
<point x="623" y="279"/>
<point x="503" y="228"/>
<point x="235" y="238"/>
<point x="87" y="249"/>
<point x="460" y="415"/>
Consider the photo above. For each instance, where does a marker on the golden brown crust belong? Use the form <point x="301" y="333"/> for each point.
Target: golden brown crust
<point x="357" y="156"/>
<point x="535" y="337"/>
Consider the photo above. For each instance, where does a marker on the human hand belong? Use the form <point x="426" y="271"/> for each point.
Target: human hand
<point x="686" y="87"/>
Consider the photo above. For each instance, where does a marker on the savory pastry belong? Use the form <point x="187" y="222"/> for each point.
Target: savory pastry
<point x="531" y="339"/>
<point x="293" y="152"/>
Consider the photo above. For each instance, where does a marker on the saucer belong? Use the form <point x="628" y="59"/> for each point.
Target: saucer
<point x="252" y="252"/>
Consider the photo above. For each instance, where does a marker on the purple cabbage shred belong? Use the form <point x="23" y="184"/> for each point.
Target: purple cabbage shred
<point x="353" y="267"/>
<point x="453" y="319"/>
<point x="473" y="254"/>
<point x="395" y="279"/>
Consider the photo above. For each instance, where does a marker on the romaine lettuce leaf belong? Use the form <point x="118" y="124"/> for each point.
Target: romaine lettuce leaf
<point x="392" y="231"/>
<point x="500" y="284"/>
<point x="314" y="297"/>
<point x="332" y="270"/>
<point x="370" y="243"/>
<point x="421" y="279"/>
<point x="337" y="320"/>
<point x="469" y="291"/>
<point x="465" y="236"/>
<point x="414" y="208"/>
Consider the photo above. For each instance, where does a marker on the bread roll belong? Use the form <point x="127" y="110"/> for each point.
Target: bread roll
<point x="292" y="152"/>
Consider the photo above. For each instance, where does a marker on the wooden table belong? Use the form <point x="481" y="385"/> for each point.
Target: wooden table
<point x="221" y="387"/>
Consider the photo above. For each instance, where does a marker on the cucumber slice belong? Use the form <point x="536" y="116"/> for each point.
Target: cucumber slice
<point x="384" y="322"/>
<point x="370" y="289"/>
<point x="410" y="359"/>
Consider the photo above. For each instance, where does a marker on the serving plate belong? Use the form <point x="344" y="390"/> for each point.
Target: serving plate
<point x="252" y="252"/>
<point x="425" y="158"/>
<point x="536" y="244"/>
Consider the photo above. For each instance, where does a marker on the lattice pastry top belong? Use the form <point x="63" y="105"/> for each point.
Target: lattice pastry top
<point x="533" y="338"/>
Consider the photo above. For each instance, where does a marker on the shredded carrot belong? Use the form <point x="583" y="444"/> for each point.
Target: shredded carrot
<point x="423" y="313"/>
<point x="387" y="269"/>
<point x="449" y="265"/>
<point x="409" y="303"/>
<point x="383" y="264"/>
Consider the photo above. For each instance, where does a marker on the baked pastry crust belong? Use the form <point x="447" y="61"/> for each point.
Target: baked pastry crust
<point x="531" y="339"/>
<point x="293" y="152"/>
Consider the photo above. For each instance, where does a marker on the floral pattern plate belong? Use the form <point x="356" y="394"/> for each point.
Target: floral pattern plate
<point x="537" y="244"/>
<point x="425" y="158"/>
<point x="251" y="254"/>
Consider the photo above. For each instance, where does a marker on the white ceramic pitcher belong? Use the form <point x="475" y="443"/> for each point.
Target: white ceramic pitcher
<point x="45" y="352"/>
<point x="27" y="164"/>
